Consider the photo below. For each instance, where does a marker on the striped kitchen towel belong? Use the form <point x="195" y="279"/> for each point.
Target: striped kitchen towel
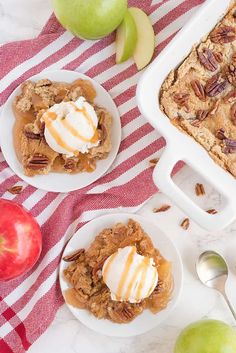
<point x="28" y="305"/>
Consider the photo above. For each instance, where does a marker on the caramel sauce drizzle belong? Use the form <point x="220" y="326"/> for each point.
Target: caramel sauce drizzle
<point x="143" y="278"/>
<point x="125" y="273"/>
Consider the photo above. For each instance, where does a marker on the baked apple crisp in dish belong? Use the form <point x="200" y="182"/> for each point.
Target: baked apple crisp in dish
<point x="119" y="276"/>
<point x="200" y="95"/>
<point x="59" y="128"/>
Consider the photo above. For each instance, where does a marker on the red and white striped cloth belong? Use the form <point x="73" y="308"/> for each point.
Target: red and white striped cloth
<point x="28" y="305"/>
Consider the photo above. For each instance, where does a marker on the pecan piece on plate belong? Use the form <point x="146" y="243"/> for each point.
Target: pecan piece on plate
<point x="233" y="113"/>
<point x="230" y="73"/>
<point x="163" y="208"/>
<point x="73" y="256"/>
<point x="38" y="161"/>
<point x="198" y="89"/>
<point x="220" y="134"/>
<point x="229" y="146"/>
<point x="199" y="189"/>
<point x="126" y="314"/>
<point x="15" y="190"/>
<point x="185" y="224"/>
<point x="223" y="34"/>
<point x="182" y="99"/>
<point x="31" y="135"/>
<point x="208" y="60"/>
<point x="215" y="85"/>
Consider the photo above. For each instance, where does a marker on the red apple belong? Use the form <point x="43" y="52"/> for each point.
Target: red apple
<point x="20" y="240"/>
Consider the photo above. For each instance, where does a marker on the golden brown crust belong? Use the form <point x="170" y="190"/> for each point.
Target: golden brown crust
<point x="208" y="78"/>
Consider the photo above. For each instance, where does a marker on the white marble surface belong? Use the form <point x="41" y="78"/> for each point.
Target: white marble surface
<point x="21" y="19"/>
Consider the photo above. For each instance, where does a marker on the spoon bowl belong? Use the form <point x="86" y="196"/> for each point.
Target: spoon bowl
<point x="212" y="271"/>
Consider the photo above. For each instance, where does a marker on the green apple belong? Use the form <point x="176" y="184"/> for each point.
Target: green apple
<point x="126" y="38"/>
<point x="144" y="49"/>
<point x="90" y="19"/>
<point x="207" y="336"/>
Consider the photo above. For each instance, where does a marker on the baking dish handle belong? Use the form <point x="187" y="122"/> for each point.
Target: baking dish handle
<point x="162" y="179"/>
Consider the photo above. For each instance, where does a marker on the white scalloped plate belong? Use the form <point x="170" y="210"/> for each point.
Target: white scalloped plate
<point x="60" y="182"/>
<point x="146" y="321"/>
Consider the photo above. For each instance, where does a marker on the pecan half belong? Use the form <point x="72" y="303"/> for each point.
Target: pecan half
<point x="215" y="86"/>
<point x="218" y="56"/>
<point x="182" y="99"/>
<point x="229" y="146"/>
<point x="233" y="113"/>
<point x="212" y="211"/>
<point x="31" y="135"/>
<point x="15" y="190"/>
<point x="220" y="134"/>
<point x="208" y="60"/>
<point x="153" y="162"/>
<point x="223" y="34"/>
<point x="163" y="208"/>
<point x="199" y="189"/>
<point x="198" y="89"/>
<point x="127" y="314"/>
<point x="230" y="97"/>
<point x="38" y="161"/>
<point x="73" y="256"/>
<point x="230" y="73"/>
<point x="202" y="114"/>
<point x="185" y="224"/>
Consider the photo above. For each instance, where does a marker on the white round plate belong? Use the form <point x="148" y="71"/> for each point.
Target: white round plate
<point x="60" y="182"/>
<point x="146" y="321"/>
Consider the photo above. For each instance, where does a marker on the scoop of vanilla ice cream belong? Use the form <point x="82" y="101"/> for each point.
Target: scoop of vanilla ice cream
<point x="70" y="127"/>
<point x="129" y="276"/>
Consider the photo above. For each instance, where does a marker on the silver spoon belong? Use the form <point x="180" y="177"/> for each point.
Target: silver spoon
<point x="213" y="271"/>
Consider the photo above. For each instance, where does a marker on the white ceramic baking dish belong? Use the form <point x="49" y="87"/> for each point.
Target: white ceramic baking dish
<point x="180" y="146"/>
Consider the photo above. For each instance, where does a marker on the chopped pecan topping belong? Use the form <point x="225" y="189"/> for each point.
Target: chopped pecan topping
<point x="223" y="34"/>
<point x="70" y="164"/>
<point x="208" y="60"/>
<point x="98" y="268"/>
<point x="153" y="162"/>
<point x="218" y="56"/>
<point x="229" y="146"/>
<point x="74" y="256"/>
<point x="199" y="189"/>
<point x="233" y="113"/>
<point x="127" y="314"/>
<point x="15" y="190"/>
<point x="202" y="114"/>
<point x="43" y="82"/>
<point x="230" y="97"/>
<point x="196" y="123"/>
<point x="182" y="99"/>
<point x="215" y="85"/>
<point x="185" y="224"/>
<point x="198" y="89"/>
<point x="38" y="161"/>
<point x="163" y="208"/>
<point x="212" y="211"/>
<point x="220" y="134"/>
<point x="230" y="73"/>
<point x="31" y="135"/>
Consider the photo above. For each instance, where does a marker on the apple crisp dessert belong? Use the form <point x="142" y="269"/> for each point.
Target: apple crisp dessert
<point x="140" y="277"/>
<point x="59" y="128"/>
<point x="200" y="95"/>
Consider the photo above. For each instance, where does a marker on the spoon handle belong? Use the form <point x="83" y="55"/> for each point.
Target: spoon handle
<point x="229" y="304"/>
